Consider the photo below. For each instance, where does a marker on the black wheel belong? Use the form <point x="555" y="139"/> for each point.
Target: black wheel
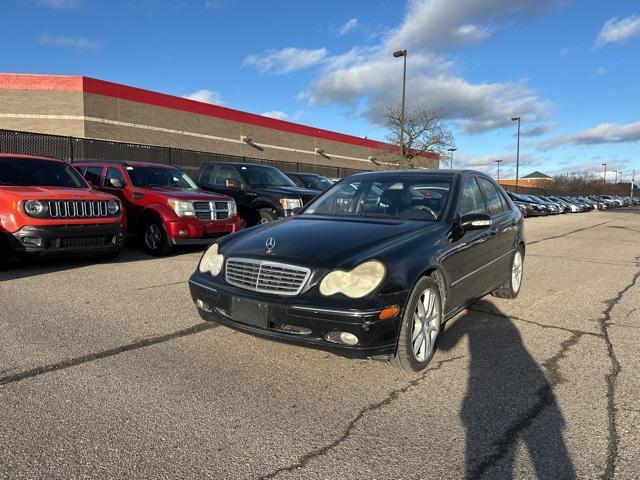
<point x="511" y="287"/>
<point x="421" y="325"/>
<point x="154" y="238"/>
<point x="266" y="215"/>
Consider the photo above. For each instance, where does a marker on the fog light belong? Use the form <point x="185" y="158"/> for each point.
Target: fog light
<point x="203" y="306"/>
<point x="341" y="337"/>
<point x="36" y="241"/>
<point x="182" y="233"/>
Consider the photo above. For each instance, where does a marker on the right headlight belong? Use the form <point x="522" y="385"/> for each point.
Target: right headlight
<point x="211" y="261"/>
<point x="33" y="208"/>
<point x="233" y="209"/>
<point x="356" y="283"/>
<point x="290" y="203"/>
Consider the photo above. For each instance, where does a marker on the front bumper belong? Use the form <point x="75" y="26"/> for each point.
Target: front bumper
<point x="67" y="239"/>
<point x="293" y="320"/>
<point x="197" y="232"/>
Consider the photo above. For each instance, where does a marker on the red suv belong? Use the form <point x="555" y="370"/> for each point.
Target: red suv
<point x="162" y="204"/>
<point x="47" y="208"/>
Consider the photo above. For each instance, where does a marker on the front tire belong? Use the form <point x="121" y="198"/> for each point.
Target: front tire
<point x="266" y="215"/>
<point x="511" y="287"/>
<point x="155" y="239"/>
<point x="421" y="325"/>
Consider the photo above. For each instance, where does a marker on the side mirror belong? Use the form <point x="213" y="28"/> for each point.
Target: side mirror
<point x="116" y="183"/>
<point x="475" y="221"/>
<point x="231" y="184"/>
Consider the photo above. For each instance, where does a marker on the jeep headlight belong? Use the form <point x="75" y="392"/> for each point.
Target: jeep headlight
<point x="356" y="283"/>
<point x="290" y="203"/>
<point x="182" y="208"/>
<point x="211" y="261"/>
<point x="233" y="209"/>
<point x="33" y="207"/>
<point x="113" y="207"/>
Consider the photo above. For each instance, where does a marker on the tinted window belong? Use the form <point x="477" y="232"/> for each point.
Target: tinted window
<point x="145" y="177"/>
<point x="92" y="175"/>
<point x="410" y="198"/>
<point x="38" y="173"/>
<point x="225" y="173"/>
<point x="471" y="201"/>
<point x="257" y="176"/>
<point x="112" y="173"/>
<point x="495" y="203"/>
<point x="208" y="175"/>
<point x="313" y="181"/>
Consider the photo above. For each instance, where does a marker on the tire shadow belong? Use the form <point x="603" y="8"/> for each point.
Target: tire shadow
<point x="508" y="400"/>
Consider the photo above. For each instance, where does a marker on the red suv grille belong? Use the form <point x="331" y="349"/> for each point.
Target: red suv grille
<point x="78" y="209"/>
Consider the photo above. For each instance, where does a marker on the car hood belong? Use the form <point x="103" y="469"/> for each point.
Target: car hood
<point x="187" y="194"/>
<point x="53" y="193"/>
<point x="289" y="191"/>
<point x="317" y="241"/>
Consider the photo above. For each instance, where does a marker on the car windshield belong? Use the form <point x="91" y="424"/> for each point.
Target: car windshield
<point x="259" y="176"/>
<point x="409" y="198"/>
<point x="316" y="182"/>
<point x="145" y="177"/>
<point x="25" y="172"/>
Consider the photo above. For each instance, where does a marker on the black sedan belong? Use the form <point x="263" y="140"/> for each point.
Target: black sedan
<point x="370" y="269"/>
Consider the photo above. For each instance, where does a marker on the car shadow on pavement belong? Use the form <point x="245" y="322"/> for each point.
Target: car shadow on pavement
<point x="509" y="400"/>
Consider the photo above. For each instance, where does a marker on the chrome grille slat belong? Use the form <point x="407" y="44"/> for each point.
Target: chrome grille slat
<point x="266" y="276"/>
<point x="78" y="209"/>
<point x="214" y="210"/>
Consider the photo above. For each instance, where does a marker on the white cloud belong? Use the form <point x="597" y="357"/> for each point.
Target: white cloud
<point x="600" y="134"/>
<point x="616" y="30"/>
<point x="286" y="60"/>
<point x="430" y="22"/>
<point x="277" y="114"/>
<point x="205" y="96"/>
<point x="60" y="4"/>
<point x="537" y="130"/>
<point x="348" y="26"/>
<point x="80" y="43"/>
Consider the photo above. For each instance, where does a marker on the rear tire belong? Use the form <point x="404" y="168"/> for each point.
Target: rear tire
<point x="511" y="287"/>
<point x="155" y="239"/>
<point x="422" y="322"/>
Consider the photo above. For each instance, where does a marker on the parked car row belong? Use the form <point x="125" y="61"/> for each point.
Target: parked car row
<point x="537" y="205"/>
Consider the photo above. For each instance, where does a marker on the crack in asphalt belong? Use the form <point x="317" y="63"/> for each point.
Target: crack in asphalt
<point x="571" y="232"/>
<point x="73" y="362"/>
<point x="304" y="460"/>
<point x="612" y="377"/>
<point x="541" y="325"/>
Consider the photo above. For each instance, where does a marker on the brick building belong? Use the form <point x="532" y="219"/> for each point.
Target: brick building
<point x="89" y="108"/>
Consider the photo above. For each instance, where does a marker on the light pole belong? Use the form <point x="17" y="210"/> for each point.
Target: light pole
<point x="605" y="181"/>
<point x="517" y="119"/>
<point x="498" y="162"/>
<point x="403" y="54"/>
<point x="451" y="150"/>
<point x="616" y="180"/>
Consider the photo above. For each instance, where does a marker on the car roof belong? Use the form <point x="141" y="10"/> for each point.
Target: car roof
<point x="239" y="164"/>
<point x="32" y="157"/>
<point x="125" y="163"/>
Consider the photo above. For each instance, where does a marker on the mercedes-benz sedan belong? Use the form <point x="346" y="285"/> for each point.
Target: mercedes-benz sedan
<point x="372" y="268"/>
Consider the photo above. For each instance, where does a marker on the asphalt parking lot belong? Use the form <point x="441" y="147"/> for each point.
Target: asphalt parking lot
<point x="106" y="371"/>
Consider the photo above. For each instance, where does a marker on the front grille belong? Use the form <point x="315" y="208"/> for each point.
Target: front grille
<point x="211" y="210"/>
<point x="78" y="209"/>
<point x="265" y="276"/>
<point x="80" y="242"/>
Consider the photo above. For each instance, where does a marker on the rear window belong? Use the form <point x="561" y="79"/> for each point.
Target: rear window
<point x="30" y="172"/>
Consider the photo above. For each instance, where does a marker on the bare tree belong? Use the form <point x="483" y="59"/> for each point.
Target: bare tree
<point x="424" y="132"/>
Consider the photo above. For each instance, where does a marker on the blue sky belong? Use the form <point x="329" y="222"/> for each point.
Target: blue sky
<point x="570" y="69"/>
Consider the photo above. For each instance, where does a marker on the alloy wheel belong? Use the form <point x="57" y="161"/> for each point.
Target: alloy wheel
<point x="153" y="236"/>
<point x="426" y="325"/>
<point x="516" y="272"/>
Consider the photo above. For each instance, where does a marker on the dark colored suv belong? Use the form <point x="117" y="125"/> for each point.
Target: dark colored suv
<point x="310" y="180"/>
<point x="263" y="193"/>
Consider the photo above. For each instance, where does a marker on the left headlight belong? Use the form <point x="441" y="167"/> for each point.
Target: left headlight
<point x="290" y="203"/>
<point x="181" y="207"/>
<point x="113" y="207"/>
<point x="211" y="261"/>
<point x="33" y="207"/>
<point x="233" y="209"/>
<point x="356" y="283"/>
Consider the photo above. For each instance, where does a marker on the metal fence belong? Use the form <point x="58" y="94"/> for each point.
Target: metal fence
<point x="76" y="148"/>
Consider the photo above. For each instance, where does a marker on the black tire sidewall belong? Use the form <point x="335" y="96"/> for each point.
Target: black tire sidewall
<point x="164" y="246"/>
<point x="407" y="323"/>
<point x="267" y="214"/>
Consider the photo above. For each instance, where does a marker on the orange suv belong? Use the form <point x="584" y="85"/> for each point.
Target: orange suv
<point x="47" y="208"/>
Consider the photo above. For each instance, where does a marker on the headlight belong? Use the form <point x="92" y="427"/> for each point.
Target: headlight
<point x="290" y="203"/>
<point x="233" y="209"/>
<point x="113" y="207"/>
<point x="211" y="261"/>
<point x="33" y="207"/>
<point x="181" y="207"/>
<point x="357" y="283"/>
